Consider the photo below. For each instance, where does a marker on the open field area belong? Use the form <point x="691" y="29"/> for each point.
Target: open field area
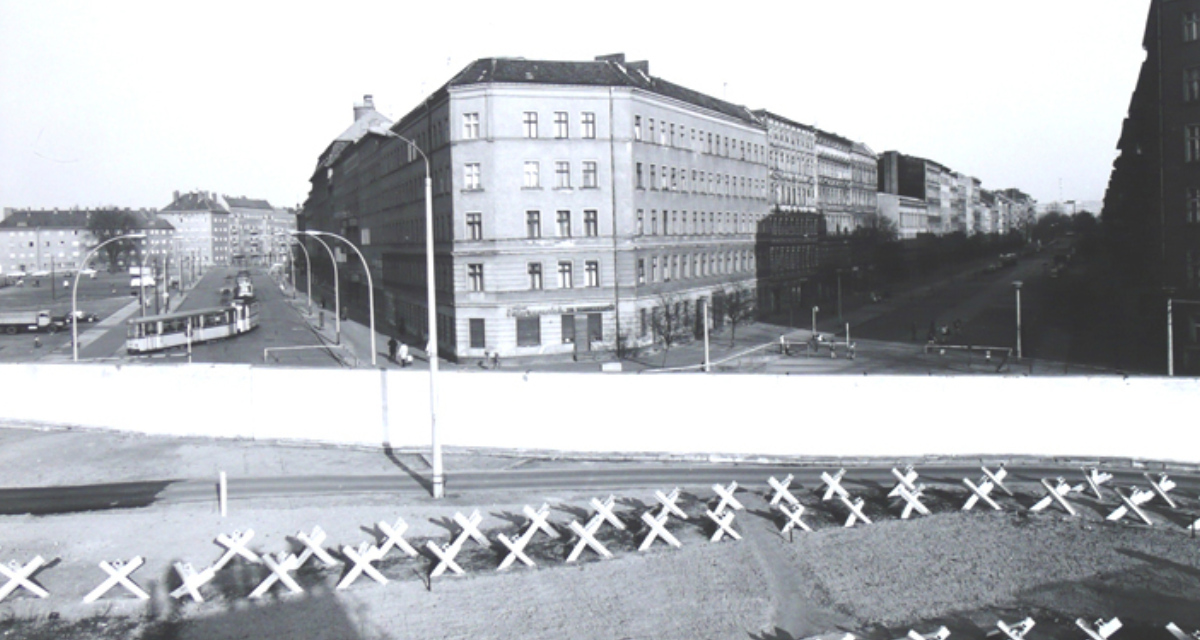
<point x="963" y="570"/>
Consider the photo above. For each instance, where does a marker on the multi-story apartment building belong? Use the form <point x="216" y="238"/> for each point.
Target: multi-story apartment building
<point x="1022" y="210"/>
<point x="835" y="171"/>
<point x="906" y="212"/>
<point x="573" y="203"/>
<point x="948" y="195"/>
<point x="1153" y="199"/>
<point x="793" y="160"/>
<point x="787" y="244"/>
<point x="257" y="231"/>
<point x="35" y="241"/>
<point x="203" y="227"/>
<point x="864" y="182"/>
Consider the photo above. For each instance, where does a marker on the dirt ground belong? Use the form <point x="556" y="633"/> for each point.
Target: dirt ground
<point x="963" y="570"/>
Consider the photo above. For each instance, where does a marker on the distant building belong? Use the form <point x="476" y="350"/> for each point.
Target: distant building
<point x="37" y="240"/>
<point x="42" y="240"/>
<point x="203" y="224"/>
<point x="221" y="229"/>
<point x="576" y="204"/>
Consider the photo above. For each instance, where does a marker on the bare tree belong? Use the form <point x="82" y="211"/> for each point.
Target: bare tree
<point x="670" y="321"/>
<point x="110" y="223"/>
<point x="739" y="307"/>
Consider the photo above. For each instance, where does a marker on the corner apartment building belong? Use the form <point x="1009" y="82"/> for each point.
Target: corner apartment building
<point x="203" y="227"/>
<point x="572" y="202"/>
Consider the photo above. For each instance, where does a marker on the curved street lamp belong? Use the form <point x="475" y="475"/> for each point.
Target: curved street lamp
<point x="431" y="303"/>
<point x="337" y="305"/>
<point x="370" y="284"/>
<point x="75" y="291"/>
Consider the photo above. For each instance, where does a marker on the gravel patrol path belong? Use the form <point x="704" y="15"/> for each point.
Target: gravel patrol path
<point x="964" y="570"/>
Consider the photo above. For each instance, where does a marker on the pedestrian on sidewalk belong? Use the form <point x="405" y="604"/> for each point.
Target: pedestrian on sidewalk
<point x="392" y="347"/>
<point x="405" y="358"/>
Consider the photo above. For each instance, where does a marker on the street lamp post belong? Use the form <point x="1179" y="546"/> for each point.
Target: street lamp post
<point x="1017" y="287"/>
<point x="75" y="292"/>
<point x="370" y="284"/>
<point x="431" y="302"/>
<point x="337" y="305"/>
<point x="704" y="307"/>
<point x="308" y="267"/>
<point x="839" y="282"/>
<point x="814" y="319"/>
<point x="1170" y="342"/>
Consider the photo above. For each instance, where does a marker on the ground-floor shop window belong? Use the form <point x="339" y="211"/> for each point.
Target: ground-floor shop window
<point x="529" y="331"/>
<point x="477" y="334"/>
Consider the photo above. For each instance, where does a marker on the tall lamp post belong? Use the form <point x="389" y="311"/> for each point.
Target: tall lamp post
<point x="370" y="284"/>
<point x="814" y="318"/>
<point x="308" y="266"/>
<point x="1017" y="287"/>
<point x="75" y="291"/>
<point x="337" y="305"/>
<point x="431" y="302"/>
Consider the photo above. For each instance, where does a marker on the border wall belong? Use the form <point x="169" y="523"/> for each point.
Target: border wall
<point x="737" y="415"/>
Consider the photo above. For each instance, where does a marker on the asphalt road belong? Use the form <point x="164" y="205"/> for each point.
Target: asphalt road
<point x="984" y="304"/>
<point x="280" y="324"/>
<point x="48" y="500"/>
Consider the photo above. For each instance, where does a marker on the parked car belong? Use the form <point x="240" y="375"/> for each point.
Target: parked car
<point x="84" y="316"/>
<point x="91" y="273"/>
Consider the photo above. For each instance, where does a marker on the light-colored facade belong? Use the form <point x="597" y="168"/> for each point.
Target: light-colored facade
<point x="793" y="163"/>
<point x="571" y="202"/>
<point x="907" y="213"/>
<point x="835" y="171"/>
<point x="35" y="241"/>
<point x="203" y="228"/>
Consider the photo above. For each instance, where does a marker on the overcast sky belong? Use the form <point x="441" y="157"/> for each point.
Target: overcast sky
<point x="121" y="103"/>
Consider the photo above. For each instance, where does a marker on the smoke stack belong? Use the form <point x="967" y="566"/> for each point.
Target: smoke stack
<point x="363" y="109"/>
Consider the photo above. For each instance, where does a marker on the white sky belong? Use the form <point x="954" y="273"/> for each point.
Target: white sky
<point x="121" y="103"/>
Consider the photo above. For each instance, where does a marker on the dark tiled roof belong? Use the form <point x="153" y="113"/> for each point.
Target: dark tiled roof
<point x="763" y="113"/>
<point x="45" y="219"/>
<point x="194" y="201"/>
<point x="602" y="73"/>
<point x="76" y="219"/>
<point x="247" y="203"/>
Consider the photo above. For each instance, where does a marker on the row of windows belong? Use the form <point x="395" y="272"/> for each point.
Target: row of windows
<point x="703" y="182"/>
<point x="566" y="275"/>
<point x="529" y="122"/>
<point x="562" y="175"/>
<point x="1191" y="26"/>
<point x="698" y="223"/>
<point x="529" y="330"/>
<point x="700" y="141"/>
<point x="44" y="232"/>
<point x="533" y="224"/>
<point x="695" y="265"/>
<point x="793" y="139"/>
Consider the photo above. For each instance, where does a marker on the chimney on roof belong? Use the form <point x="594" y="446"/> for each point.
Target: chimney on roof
<point x="640" y="65"/>
<point x="367" y="106"/>
<point x="176" y="194"/>
<point x="618" y="58"/>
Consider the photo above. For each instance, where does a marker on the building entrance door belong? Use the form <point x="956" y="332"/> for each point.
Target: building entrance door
<point x="582" y="344"/>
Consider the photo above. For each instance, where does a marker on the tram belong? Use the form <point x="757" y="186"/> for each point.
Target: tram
<point x="244" y="286"/>
<point x="154" y="333"/>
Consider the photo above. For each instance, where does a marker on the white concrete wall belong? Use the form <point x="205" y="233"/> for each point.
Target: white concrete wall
<point x="675" y="413"/>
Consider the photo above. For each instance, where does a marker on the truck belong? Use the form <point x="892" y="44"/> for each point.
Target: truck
<point x="14" y="321"/>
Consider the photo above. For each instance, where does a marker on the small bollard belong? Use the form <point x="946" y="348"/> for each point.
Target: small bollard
<point x="321" y="319"/>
